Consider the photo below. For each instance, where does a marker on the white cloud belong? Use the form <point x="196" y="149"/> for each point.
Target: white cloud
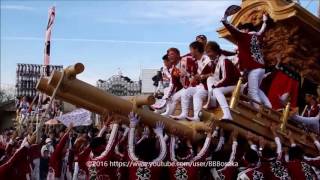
<point x="199" y="14"/>
<point x="97" y="40"/>
<point x="17" y="7"/>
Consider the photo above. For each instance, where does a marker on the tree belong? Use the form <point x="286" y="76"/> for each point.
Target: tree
<point x="5" y="96"/>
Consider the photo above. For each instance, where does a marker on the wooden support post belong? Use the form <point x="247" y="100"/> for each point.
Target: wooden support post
<point x="236" y="94"/>
<point x="284" y="117"/>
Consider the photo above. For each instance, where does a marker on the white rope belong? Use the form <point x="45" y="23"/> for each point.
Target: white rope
<point x="50" y="103"/>
<point x="54" y="94"/>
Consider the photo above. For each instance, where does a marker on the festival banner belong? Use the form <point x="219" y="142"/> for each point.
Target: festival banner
<point x="79" y="117"/>
<point x="52" y="14"/>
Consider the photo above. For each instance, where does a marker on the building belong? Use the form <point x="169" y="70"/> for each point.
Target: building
<point x="117" y="85"/>
<point x="27" y="76"/>
<point x="120" y="85"/>
<point x="147" y="84"/>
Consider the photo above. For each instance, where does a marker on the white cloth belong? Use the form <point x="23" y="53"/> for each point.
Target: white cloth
<point x="79" y="117"/>
<point x="255" y="77"/>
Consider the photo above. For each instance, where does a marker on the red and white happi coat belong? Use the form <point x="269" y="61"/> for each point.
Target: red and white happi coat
<point x="188" y="68"/>
<point x="90" y="167"/>
<point x="252" y="173"/>
<point x="81" y="159"/>
<point x="141" y="169"/>
<point x="205" y="66"/>
<point x="225" y="73"/>
<point x="275" y="170"/>
<point x="249" y="47"/>
<point x="56" y="162"/>
<point x="187" y="170"/>
<point x="84" y="156"/>
<point x="312" y="111"/>
<point x="302" y="170"/>
<point x="17" y="167"/>
<point x="181" y="74"/>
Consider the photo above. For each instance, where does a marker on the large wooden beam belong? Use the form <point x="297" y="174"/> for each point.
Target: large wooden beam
<point x="87" y="96"/>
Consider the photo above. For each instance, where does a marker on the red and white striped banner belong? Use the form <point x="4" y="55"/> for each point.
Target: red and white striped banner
<point x="52" y="14"/>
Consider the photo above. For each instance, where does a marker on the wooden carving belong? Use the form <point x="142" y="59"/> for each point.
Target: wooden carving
<point x="292" y="32"/>
<point x="296" y="50"/>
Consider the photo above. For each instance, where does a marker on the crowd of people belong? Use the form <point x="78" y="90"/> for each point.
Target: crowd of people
<point x="120" y="150"/>
<point x="26" y="110"/>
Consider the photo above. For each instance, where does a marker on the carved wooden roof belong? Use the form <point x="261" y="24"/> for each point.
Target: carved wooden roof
<point x="293" y="32"/>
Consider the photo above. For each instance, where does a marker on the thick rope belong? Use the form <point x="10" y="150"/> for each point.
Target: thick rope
<point x="50" y="103"/>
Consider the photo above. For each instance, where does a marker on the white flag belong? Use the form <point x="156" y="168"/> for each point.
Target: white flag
<point x="79" y="117"/>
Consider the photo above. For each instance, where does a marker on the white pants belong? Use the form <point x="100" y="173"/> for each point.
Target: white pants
<point x="76" y="171"/>
<point x="171" y="104"/>
<point x="311" y="123"/>
<point x="219" y="94"/>
<point x="166" y="91"/>
<point x="255" y="77"/>
<point x="211" y="101"/>
<point x="165" y="96"/>
<point x="198" y="94"/>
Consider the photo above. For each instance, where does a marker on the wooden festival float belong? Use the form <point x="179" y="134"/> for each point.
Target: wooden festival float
<point x="293" y="33"/>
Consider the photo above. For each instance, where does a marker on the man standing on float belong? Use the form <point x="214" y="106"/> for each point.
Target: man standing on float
<point x="250" y="56"/>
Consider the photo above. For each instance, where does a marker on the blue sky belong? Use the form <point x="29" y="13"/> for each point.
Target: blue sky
<point x="107" y="35"/>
